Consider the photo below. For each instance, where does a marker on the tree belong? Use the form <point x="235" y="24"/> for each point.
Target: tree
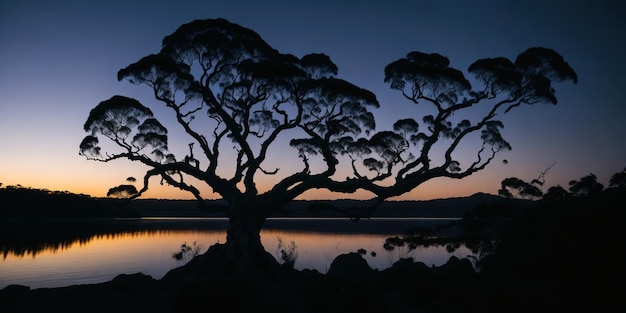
<point x="618" y="180"/>
<point x="556" y="193"/>
<point x="230" y="91"/>
<point x="521" y="188"/>
<point x="587" y="185"/>
<point x="122" y="191"/>
<point x="518" y="188"/>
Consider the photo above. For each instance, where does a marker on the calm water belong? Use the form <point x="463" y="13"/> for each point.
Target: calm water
<point x="102" y="256"/>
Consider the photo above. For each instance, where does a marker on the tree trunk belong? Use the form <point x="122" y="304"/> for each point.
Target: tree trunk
<point x="242" y="258"/>
<point x="244" y="250"/>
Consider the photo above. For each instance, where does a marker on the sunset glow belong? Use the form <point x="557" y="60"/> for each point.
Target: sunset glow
<point x="59" y="60"/>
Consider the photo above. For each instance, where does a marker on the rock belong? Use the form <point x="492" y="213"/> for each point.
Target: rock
<point x="350" y="266"/>
<point x="14" y="291"/>
<point x="407" y="265"/>
<point x="456" y="267"/>
<point x="127" y="282"/>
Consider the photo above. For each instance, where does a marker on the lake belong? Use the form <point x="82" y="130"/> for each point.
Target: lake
<point x="43" y="254"/>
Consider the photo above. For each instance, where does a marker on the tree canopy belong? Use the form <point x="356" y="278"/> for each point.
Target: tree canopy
<point x="229" y="90"/>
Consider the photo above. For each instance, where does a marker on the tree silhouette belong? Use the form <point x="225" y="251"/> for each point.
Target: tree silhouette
<point x="556" y="193"/>
<point x="122" y="191"/>
<point x="618" y="180"/>
<point x="521" y="189"/>
<point x="587" y="185"/>
<point x="518" y="188"/>
<point x="230" y="91"/>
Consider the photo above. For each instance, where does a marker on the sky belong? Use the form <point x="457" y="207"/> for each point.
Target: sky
<point x="59" y="59"/>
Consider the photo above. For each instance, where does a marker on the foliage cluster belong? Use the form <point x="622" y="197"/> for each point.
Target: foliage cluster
<point x="514" y="187"/>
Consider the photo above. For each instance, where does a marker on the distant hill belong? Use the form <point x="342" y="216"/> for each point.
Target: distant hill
<point x="438" y="208"/>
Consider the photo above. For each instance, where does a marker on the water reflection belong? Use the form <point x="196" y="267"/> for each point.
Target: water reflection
<point x="47" y="254"/>
<point x="31" y="237"/>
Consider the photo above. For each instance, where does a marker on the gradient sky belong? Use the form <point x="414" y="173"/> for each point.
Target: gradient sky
<point x="59" y="59"/>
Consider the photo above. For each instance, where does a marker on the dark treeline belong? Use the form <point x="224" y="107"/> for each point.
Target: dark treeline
<point x="19" y="201"/>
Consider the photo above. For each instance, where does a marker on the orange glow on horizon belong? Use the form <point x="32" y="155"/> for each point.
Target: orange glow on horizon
<point x="434" y="189"/>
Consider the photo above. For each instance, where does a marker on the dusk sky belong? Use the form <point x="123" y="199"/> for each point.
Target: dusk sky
<point x="59" y="59"/>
